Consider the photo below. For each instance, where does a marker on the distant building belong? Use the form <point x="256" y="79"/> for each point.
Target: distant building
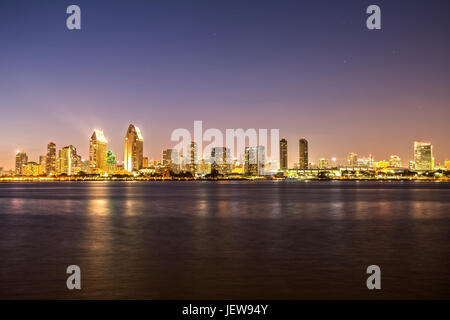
<point x="303" y="154"/>
<point x="50" y="165"/>
<point x="145" y="162"/>
<point x="31" y="169"/>
<point x="69" y="162"/>
<point x="134" y="149"/>
<point x="111" y="163"/>
<point x="97" y="152"/>
<point x="324" y="163"/>
<point x="221" y="160"/>
<point x="283" y="154"/>
<point x="447" y="164"/>
<point x="395" y="161"/>
<point x="170" y="160"/>
<point x="254" y="161"/>
<point x="423" y="156"/>
<point x="21" y="161"/>
<point x="352" y="159"/>
<point x="193" y="157"/>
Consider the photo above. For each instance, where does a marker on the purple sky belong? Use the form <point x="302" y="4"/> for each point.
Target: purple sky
<point x="308" y="68"/>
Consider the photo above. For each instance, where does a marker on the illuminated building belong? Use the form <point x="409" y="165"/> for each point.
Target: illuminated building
<point x="352" y="159"/>
<point x="283" y="154"/>
<point x="395" y="162"/>
<point x="97" y="152"/>
<point x="1" y="171"/>
<point x="303" y="154"/>
<point x="381" y="164"/>
<point x="50" y="164"/>
<point x="447" y="164"/>
<point x="221" y="160"/>
<point x="31" y="169"/>
<point x="423" y="156"/>
<point x="145" y="162"/>
<point x="193" y="157"/>
<point x="254" y="161"/>
<point x="42" y="165"/>
<point x="324" y="163"/>
<point x="68" y="161"/>
<point x="134" y="149"/>
<point x="21" y="161"/>
<point x="365" y="162"/>
<point x="170" y="160"/>
<point x="111" y="163"/>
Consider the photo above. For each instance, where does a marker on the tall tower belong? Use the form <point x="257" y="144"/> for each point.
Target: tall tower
<point x="303" y="154"/>
<point x="283" y="154"/>
<point x="97" y="152"/>
<point x="21" y="161"/>
<point x="134" y="149"/>
<point x="423" y="156"/>
<point x="50" y="164"/>
<point x="193" y="158"/>
<point x="68" y="160"/>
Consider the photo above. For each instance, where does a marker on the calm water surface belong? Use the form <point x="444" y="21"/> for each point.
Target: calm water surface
<point x="230" y="240"/>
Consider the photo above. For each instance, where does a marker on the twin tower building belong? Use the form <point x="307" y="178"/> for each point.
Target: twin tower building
<point x="133" y="152"/>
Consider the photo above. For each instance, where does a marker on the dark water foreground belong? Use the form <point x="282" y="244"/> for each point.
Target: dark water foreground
<point x="232" y="240"/>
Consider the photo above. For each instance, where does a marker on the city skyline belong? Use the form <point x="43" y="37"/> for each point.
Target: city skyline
<point x="274" y="65"/>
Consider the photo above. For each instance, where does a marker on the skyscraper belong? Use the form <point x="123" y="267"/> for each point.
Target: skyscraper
<point x="303" y="154"/>
<point x="221" y="160"/>
<point x="97" y="152"/>
<point x="254" y="161"/>
<point x="170" y="160"/>
<point x="283" y="154"/>
<point x="193" y="158"/>
<point x="423" y="156"/>
<point x="21" y="161"/>
<point x="134" y="149"/>
<point x="324" y="163"/>
<point x="50" y="164"/>
<point x="352" y="159"/>
<point x="68" y="161"/>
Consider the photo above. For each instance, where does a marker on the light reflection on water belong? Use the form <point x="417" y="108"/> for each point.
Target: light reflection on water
<point x="224" y="240"/>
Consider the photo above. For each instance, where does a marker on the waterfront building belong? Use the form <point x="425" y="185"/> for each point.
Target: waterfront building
<point x="134" y="149"/>
<point x="324" y="163"/>
<point x="352" y="159"/>
<point x="21" y="161"/>
<point x="111" y="163"/>
<point x="50" y="164"/>
<point x="447" y="164"/>
<point x="193" y="158"/>
<point x="31" y="169"/>
<point x="221" y="160"/>
<point x="254" y="160"/>
<point x="303" y="154"/>
<point x="283" y="154"/>
<point x="395" y="161"/>
<point x="68" y="162"/>
<point x="170" y="160"/>
<point x="145" y="162"/>
<point x="97" y="152"/>
<point x="423" y="156"/>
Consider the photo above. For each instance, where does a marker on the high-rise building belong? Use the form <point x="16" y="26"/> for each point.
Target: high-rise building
<point x="111" y="163"/>
<point x="193" y="158"/>
<point x="50" y="165"/>
<point x="324" y="163"/>
<point x="283" y="154"/>
<point x="170" y="160"/>
<point x="395" y="161"/>
<point x="303" y="154"/>
<point x="134" y="149"/>
<point x="221" y="160"/>
<point x="97" y="152"/>
<point x="352" y="159"/>
<point x="42" y="165"/>
<point x="69" y="162"/>
<point x="423" y="156"/>
<point x="21" y="161"/>
<point x="254" y="161"/>
<point x="447" y="164"/>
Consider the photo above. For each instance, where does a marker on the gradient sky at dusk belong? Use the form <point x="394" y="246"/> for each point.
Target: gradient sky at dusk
<point x="309" y="68"/>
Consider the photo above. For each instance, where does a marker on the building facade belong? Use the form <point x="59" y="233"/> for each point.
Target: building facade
<point x="50" y="163"/>
<point x="303" y="154"/>
<point x="423" y="156"/>
<point x="21" y="161"/>
<point x="283" y="154"/>
<point x="97" y="152"/>
<point x="134" y="149"/>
